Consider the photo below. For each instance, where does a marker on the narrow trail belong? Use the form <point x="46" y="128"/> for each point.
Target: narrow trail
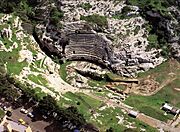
<point x="164" y="83"/>
<point x="142" y="117"/>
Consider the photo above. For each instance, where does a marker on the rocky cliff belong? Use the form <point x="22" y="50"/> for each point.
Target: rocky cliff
<point x="124" y="36"/>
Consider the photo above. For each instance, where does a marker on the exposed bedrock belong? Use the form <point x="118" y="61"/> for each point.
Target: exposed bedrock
<point x="122" y="45"/>
<point x="76" y="42"/>
<point x="167" y="27"/>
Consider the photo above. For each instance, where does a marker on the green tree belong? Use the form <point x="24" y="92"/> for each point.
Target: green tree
<point x="97" y="19"/>
<point x="55" y="16"/>
<point x="48" y="104"/>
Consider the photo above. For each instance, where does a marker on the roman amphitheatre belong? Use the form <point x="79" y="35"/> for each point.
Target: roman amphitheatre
<point x="107" y="69"/>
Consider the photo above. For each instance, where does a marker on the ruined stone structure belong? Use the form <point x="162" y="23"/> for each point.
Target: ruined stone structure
<point x="75" y="43"/>
<point x="78" y="41"/>
<point x="89" y="47"/>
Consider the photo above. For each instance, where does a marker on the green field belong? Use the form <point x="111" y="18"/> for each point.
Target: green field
<point x="84" y="103"/>
<point x="39" y="79"/>
<point x="150" y="105"/>
<point x="108" y="119"/>
<point x="13" y="66"/>
<point x="163" y="71"/>
<point x="1" y="113"/>
<point x="62" y="71"/>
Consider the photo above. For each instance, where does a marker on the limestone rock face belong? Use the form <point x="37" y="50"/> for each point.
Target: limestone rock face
<point x="169" y="27"/>
<point x="75" y="42"/>
<point x="7" y="33"/>
<point x="176" y="50"/>
<point x="122" y="46"/>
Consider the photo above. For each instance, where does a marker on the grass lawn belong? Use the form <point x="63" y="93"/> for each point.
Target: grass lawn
<point x="109" y="119"/>
<point x="13" y="66"/>
<point x="1" y="113"/>
<point x="6" y="42"/>
<point x="39" y="79"/>
<point x="161" y="72"/>
<point x="83" y="102"/>
<point x="62" y="71"/>
<point x="95" y="83"/>
<point x="150" y="105"/>
<point x="107" y="116"/>
<point x="34" y="68"/>
<point x="38" y="63"/>
<point x="39" y="93"/>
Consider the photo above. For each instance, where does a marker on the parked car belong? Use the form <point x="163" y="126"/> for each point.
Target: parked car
<point x="22" y="121"/>
<point x="30" y="114"/>
<point x="24" y="111"/>
<point x="4" y="108"/>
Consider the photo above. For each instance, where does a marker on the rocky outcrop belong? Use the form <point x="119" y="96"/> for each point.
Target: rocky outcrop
<point x="164" y="26"/>
<point x="74" y="42"/>
<point x="176" y="50"/>
<point x="121" y="46"/>
<point x="167" y="27"/>
<point x="6" y="33"/>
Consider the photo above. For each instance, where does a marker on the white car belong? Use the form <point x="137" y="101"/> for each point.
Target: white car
<point x="30" y="115"/>
<point x="24" y="111"/>
<point x="5" y="108"/>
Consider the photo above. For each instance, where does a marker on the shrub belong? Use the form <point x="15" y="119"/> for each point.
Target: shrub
<point x="85" y="6"/>
<point x="97" y="19"/>
<point x="153" y="41"/>
<point x="56" y="15"/>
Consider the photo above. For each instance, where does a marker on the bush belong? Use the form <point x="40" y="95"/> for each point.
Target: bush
<point x="56" y="16"/>
<point x="124" y="13"/>
<point x="85" y="6"/>
<point x="153" y="41"/>
<point x="97" y="19"/>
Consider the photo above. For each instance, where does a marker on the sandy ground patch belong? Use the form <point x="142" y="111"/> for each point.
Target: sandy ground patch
<point x="177" y="89"/>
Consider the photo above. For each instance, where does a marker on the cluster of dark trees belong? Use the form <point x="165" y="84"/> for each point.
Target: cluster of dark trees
<point x="7" y="89"/>
<point x="8" y="6"/>
<point x="31" y="12"/>
<point x="48" y="107"/>
<point x="20" y="95"/>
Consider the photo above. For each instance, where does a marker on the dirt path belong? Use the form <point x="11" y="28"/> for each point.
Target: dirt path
<point x="157" y="124"/>
<point x="165" y="83"/>
<point x="142" y="117"/>
<point x="177" y="89"/>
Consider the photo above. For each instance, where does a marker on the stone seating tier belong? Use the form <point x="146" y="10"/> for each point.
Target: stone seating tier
<point x="91" y="51"/>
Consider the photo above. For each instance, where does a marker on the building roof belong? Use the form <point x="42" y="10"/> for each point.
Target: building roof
<point x="12" y="125"/>
<point x="17" y="126"/>
<point x="167" y="106"/>
<point x="133" y="113"/>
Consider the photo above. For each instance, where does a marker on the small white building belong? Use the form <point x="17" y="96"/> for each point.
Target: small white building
<point x="133" y="113"/>
<point x="167" y="107"/>
<point x="170" y="109"/>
